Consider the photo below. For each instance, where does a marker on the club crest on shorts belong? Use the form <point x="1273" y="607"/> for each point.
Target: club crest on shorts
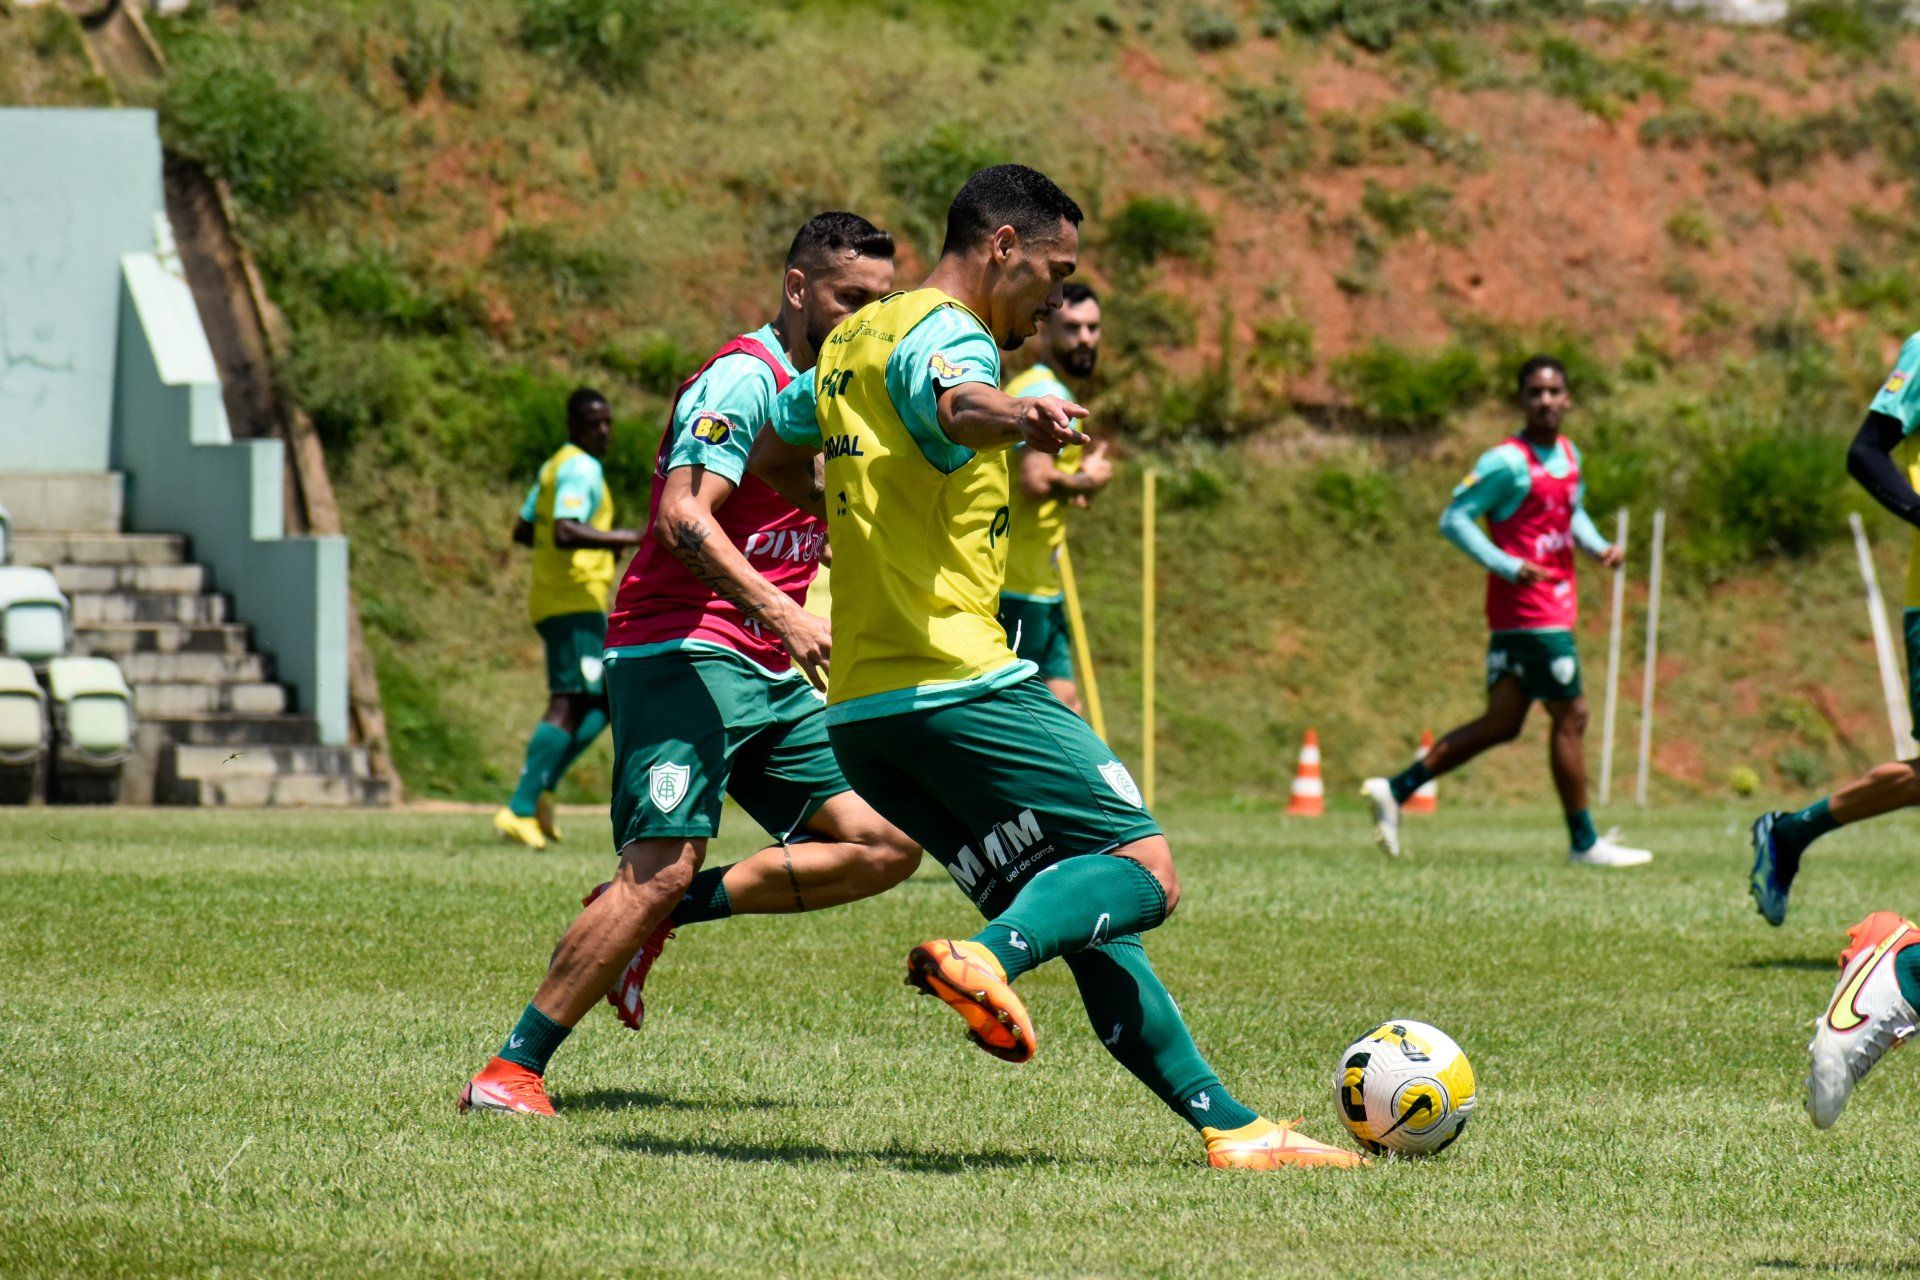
<point x="667" y="786"/>
<point x="1563" y="669"/>
<point x="1122" y="782"/>
<point x="593" y="672"/>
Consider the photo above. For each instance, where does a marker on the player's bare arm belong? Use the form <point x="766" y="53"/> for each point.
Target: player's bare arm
<point x="980" y="417"/>
<point x="573" y="534"/>
<point x="686" y="526"/>
<point x="792" y="470"/>
<point x="1042" y="478"/>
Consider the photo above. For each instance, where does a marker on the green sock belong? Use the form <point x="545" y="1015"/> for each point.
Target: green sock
<point x="533" y="1040"/>
<point x="545" y="749"/>
<point x="1408" y="781"/>
<point x="1580" y="830"/>
<point x="590" y="728"/>
<point x="1906" y="971"/>
<point x="706" y="898"/>
<point x="1793" y="832"/>
<point x="1136" y="1019"/>
<point x="1074" y="904"/>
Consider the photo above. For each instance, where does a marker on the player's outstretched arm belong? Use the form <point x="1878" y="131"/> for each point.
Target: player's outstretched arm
<point x="979" y="416"/>
<point x="578" y="533"/>
<point x="792" y="470"/>
<point x="1871" y="463"/>
<point x="686" y="526"/>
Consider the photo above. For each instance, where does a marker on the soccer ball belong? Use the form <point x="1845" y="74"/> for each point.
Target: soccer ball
<point x="1404" y="1087"/>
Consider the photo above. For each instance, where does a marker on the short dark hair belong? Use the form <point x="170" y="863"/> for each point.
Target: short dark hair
<point x="1007" y="195"/>
<point x="1535" y="364"/>
<point x="826" y="234"/>
<point x="1075" y="292"/>
<point x="583" y="399"/>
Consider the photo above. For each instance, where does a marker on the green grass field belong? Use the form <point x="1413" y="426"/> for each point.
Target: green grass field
<point x="232" y="1043"/>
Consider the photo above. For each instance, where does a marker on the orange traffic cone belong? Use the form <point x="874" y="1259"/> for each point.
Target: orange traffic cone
<point x="1309" y="799"/>
<point x="1427" y="798"/>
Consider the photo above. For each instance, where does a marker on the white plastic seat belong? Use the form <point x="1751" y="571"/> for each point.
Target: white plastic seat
<point x="34" y="614"/>
<point x="23" y="714"/>
<point x="93" y="711"/>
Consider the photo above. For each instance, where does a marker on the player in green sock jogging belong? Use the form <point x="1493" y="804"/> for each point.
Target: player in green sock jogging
<point x="1885" y="459"/>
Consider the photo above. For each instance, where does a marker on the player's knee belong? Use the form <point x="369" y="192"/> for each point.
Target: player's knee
<point x="1504" y="729"/>
<point x="1903" y="775"/>
<point x="1573" y="724"/>
<point x="889" y="855"/>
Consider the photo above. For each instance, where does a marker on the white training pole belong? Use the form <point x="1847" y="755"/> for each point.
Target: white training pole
<point x="1613" y="664"/>
<point x="1890" y="688"/>
<point x="1653" y="650"/>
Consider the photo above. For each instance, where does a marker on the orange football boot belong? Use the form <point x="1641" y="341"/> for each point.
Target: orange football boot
<point x="966" y="976"/>
<point x="506" y="1086"/>
<point x="1266" y="1145"/>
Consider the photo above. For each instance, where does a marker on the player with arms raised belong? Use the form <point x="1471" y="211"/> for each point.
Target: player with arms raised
<point x="935" y="720"/>
<point x="1529" y="490"/>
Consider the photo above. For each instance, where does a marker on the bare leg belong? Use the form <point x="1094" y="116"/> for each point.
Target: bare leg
<point x="565" y="711"/>
<point x="1156" y="855"/>
<point x="1506" y="715"/>
<point x="857" y="855"/>
<point x="1067" y="692"/>
<point x="605" y="936"/>
<point x="1567" y="752"/>
<point x="1881" y="789"/>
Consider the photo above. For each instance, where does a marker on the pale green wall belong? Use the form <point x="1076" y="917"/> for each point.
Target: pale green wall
<point x="77" y="190"/>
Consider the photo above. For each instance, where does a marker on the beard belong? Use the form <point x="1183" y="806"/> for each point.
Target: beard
<point x="1079" y="361"/>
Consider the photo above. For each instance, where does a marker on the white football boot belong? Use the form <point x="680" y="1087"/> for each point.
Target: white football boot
<point x="1607" y="852"/>
<point x="1386" y="814"/>
<point x="1866" y="1017"/>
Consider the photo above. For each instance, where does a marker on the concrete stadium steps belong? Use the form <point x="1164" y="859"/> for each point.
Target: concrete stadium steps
<point x="212" y="726"/>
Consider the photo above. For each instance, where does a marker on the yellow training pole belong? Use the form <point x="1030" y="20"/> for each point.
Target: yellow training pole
<point x="1082" y="651"/>
<point x="1146" y="639"/>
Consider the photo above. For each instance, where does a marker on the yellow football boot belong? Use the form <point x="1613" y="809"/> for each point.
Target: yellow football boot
<point x="1266" y="1145"/>
<point x="966" y="976"/>
<point x="543" y="810"/>
<point x="526" y="831"/>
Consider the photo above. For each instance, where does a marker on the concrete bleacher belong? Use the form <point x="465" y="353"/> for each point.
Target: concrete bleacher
<point x="214" y="725"/>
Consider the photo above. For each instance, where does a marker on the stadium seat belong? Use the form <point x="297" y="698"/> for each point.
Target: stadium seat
<point x="23" y="731"/>
<point x="33" y="615"/>
<point x="93" y="729"/>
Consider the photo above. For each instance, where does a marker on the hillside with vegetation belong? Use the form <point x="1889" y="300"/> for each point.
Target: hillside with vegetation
<point x="1327" y="230"/>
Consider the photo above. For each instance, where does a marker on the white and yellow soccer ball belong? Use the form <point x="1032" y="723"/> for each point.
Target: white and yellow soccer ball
<point x="1404" y="1087"/>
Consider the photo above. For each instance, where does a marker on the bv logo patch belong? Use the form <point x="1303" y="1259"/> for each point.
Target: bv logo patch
<point x="944" y="372"/>
<point x="1895" y="383"/>
<point x="1122" y="782"/>
<point x="712" y="428"/>
<point x="593" y="672"/>
<point x="667" y="786"/>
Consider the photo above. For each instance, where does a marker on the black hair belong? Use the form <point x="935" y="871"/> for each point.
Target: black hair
<point x="826" y="234"/>
<point x="1076" y="292"/>
<point x="1535" y="364"/>
<point x="583" y="399"/>
<point x="1007" y="195"/>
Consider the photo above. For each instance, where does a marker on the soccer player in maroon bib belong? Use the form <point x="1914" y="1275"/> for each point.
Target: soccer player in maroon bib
<point x="1529" y="491"/>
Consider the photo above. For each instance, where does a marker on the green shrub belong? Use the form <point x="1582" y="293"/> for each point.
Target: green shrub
<point x="1140" y="321"/>
<point x="655" y="362"/>
<point x="434" y="55"/>
<point x="373" y="287"/>
<point x="614" y="40"/>
<point x="1195" y="488"/>
<point x="574" y="271"/>
<point x="1209" y="29"/>
<point x="1422" y="207"/>
<point x="273" y="143"/>
<point x="924" y="173"/>
<point x="1768" y="492"/>
<point x="1263" y="135"/>
<point x="1371" y="24"/>
<point x="1149" y="228"/>
<point x="1691" y="227"/>
<point x="1853" y="28"/>
<point x="1603" y="85"/>
<point x="1283" y="346"/>
<point x="1411" y="391"/>
<point x="1360" y="505"/>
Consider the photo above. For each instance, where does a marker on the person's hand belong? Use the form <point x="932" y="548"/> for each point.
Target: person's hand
<point x="1095" y="465"/>
<point x="1529" y="574"/>
<point x="809" y="638"/>
<point x="1613" y="557"/>
<point x="1046" y="423"/>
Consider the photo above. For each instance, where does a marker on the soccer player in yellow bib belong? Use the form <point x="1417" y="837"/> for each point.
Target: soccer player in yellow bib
<point x="934" y="720"/>
<point x="1032" y="602"/>
<point x="568" y="521"/>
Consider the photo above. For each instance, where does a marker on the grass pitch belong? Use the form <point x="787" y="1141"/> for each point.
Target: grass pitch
<point x="232" y="1043"/>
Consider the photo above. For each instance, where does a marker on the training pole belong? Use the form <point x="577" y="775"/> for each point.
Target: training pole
<point x="1890" y="689"/>
<point x="1148" y="602"/>
<point x="1082" y="650"/>
<point x="1613" y="664"/>
<point x="1653" y="652"/>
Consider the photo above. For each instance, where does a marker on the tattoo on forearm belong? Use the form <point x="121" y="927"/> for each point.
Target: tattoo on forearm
<point x="689" y="548"/>
<point x="786" y="860"/>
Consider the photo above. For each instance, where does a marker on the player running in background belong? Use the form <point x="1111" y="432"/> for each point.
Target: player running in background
<point x="1529" y="490"/>
<point x="709" y="661"/>
<point x="568" y="521"/>
<point x="1032" y="602"/>
<point x="1779" y="839"/>
<point x="935" y="720"/>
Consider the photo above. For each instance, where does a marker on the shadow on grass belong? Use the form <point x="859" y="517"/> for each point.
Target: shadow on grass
<point x="1879" y="1267"/>
<point x="626" y="1099"/>
<point x="799" y="1153"/>
<point x="1795" y="962"/>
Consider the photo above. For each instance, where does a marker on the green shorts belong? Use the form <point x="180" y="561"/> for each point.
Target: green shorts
<point x="1545" y="661"/>
<point x="1038" y="632"/>
<point x="693" y="725"/>
<point x="996" y="788"/>
<point x="574" y="642"/>
<point x="1911" y="625"/>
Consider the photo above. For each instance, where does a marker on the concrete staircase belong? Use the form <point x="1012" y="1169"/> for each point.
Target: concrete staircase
<point x="214" y="728"/>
